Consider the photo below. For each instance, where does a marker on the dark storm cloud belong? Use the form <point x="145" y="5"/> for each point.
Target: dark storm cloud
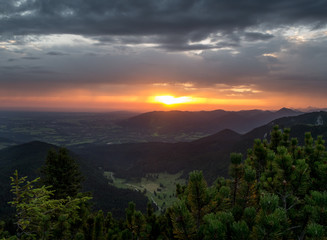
<point x="31" y="58"/>
<point x="180" y="21"/>
<point x="52" y="53"/>
<point x="255" y="36"/>
<point x="185" y="47"/>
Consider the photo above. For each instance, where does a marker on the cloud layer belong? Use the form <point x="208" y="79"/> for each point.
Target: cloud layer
<point x="183" y="46"/>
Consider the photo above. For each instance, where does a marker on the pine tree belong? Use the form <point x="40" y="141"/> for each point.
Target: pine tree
<point x="135" y="221"/>
<point x="213" y="229"/>
<point x="236" y="172"/>
<point x="98" y="230"/>
<point x="152" y="225"/>
<point x="218" y="226"/>
<point x="61" y="172"/>
<point x="197" y="196"/>
<point x="240" y="231"/>
<point x="184" y="226"/>
<point x="271" y="220"/>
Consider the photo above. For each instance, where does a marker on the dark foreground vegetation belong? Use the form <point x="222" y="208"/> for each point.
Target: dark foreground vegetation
<point x="277" y="192"/>
<point x="28" y="158"/>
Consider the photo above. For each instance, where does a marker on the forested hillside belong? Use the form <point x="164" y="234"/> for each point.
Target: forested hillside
<point x="30" y="157"/>
<point x="277" y="191"/>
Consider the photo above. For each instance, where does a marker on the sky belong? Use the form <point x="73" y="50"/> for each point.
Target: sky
<point x="144" y="55"/>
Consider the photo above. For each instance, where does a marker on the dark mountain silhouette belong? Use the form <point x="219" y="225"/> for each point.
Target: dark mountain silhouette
<point x="29" y="157"/>
<point x="210" y="154"/>
<point x="286" y="111"/>
<point x="315" y="122"/>
<point x="205" y="122"/>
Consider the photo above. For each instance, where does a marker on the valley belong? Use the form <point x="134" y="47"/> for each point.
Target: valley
<point x="159" y="188"/>
<point x="64" y="129"/>
<point x="72" y="129"/>
<point x="123" y="163"/>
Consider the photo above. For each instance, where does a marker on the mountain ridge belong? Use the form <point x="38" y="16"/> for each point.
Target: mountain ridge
<point x="209" y="154"/>
<point x="207" y="122"/>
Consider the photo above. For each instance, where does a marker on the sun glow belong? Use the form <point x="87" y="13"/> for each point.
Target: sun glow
<point x="193" y="103"/>
<point x="169" y="100"/>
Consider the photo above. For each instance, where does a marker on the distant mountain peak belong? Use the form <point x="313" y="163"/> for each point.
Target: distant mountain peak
<point x="285" y="110"/>
<point x="228" y="131"/>
<point x="223" y="135"/>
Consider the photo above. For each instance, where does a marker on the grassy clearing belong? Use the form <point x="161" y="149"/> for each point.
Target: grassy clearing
<point x="158" y="187"/>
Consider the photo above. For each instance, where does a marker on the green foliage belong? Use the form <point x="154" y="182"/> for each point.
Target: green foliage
<point x="152" y="224"/>
<point x="213" y="228"/>
<point x="184" y="226"/>
<point x="278" y="192"/>
<point x="276" y="138"/>
<point x="197" y="196"/>
<point x="236" y="171"/>
<point x="270" y="220"/>
<point x="135" y="221"/>
<point x="79" y="236"/>
<point x="61" y="173"/>
<point x="4" y="234"/>
<point x="240" y="231"/>
<point x="316" y="231"/>
<point x="38" y="215"/>
<point x="249" y="216"/>
<point x="98" y="231"/>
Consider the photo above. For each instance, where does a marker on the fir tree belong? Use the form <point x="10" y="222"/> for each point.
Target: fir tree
<point x="61" y="172"/>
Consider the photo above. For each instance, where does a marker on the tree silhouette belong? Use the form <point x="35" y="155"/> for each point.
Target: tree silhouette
<point x="61" y="172"/>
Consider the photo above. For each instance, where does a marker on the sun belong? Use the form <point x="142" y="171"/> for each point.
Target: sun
<point x="170" y="100"/>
